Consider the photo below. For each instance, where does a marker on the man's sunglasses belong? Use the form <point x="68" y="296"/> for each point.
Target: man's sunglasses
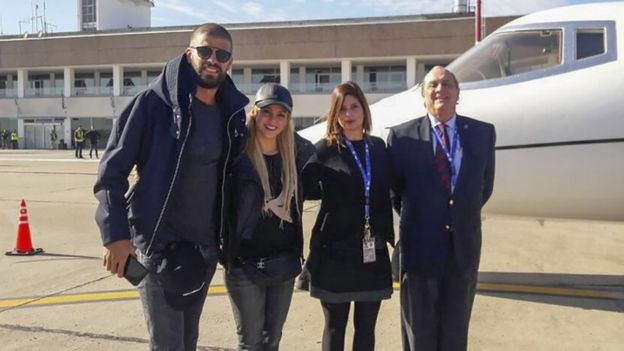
<point x="205" y="52"/>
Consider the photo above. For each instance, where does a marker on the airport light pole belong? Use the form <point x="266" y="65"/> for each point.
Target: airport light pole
<point x="478" y="22"/>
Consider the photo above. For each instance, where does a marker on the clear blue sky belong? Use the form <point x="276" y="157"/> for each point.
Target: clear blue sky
<point x="63" y="13"/>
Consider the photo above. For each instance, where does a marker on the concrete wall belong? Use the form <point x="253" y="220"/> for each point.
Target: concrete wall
<point x="417" y="39"/>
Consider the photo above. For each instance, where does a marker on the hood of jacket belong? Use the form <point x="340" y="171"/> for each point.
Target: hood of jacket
<point x="176" y="86"/>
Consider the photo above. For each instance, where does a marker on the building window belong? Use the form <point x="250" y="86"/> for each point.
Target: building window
<point x="260" y="76"/>
<point x="385" y="78"/>
<point x="152" y="75"/>
<point x="106" y="83"/>
<point x="132" y="83"/>
<point x="8" y="85"/>
<point x="88" y="15"/>
<point x="94" y="83"/>
<point x="45" y="84"/>
<point x="238" y="77"/>
<point x="322" y="79"/>
<point x="84" y="84"/>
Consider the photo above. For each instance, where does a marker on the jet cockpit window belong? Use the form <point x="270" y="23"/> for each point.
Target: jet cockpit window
<point x="589" y="42"/>
<point x="509" y="53"/>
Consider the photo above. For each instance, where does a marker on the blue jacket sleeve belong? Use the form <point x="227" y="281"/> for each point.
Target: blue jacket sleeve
<point x="119" y="158"/>
<point x="488" y="180"/>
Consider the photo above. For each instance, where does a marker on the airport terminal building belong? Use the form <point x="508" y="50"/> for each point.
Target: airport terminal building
<point x="63" y="80"/>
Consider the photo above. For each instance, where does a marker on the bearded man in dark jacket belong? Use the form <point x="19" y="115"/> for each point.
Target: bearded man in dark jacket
<point x="181" y="134"/>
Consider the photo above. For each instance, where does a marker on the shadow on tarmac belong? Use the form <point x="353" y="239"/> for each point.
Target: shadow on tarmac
<point x="607" y="287"/>
<point x="40" y="330"/>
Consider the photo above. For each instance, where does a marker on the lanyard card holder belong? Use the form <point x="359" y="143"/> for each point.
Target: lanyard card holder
<point x="368" y="245"/>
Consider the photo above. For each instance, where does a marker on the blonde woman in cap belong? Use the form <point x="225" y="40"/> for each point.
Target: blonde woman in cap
<point x="264" y="242"/>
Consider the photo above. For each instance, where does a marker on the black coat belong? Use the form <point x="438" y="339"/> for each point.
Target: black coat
<point x="335" y="262"/>
<point x="150" y="134"/>
<point x="245" y="209"/>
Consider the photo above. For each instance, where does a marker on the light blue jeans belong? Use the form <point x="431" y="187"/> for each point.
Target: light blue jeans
<point x="170" y="329"/>
<point x="259" y="311"/>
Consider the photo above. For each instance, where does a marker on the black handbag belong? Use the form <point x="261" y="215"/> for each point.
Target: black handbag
<point x="272" y="270"/>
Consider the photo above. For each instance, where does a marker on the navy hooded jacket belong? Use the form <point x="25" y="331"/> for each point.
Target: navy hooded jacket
<point x="150" y="134"/>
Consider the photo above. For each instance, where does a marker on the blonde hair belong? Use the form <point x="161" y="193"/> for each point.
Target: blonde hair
<point x="334" y="130"/>
<point x="286" y="149"/>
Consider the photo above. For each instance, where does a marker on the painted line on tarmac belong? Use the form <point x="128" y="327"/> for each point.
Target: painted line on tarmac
<point x="546" y="290"/>
<point x="87" y="297"/>
<point x="216" y="290"/>
<point x="550" y="290"/>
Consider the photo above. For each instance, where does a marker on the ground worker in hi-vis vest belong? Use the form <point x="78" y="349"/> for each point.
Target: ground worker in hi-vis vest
<point x="79" y="138"/>
<point x="53" y="138"/>
<point x="14" y="140"/>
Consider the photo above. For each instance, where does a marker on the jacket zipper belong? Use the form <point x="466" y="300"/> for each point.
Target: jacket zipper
<point x="227" y="158"/>
<point x="175" y="174"/>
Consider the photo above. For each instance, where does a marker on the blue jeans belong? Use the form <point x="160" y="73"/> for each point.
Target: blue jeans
<point x="170" y="329"/>
<point x="259" y="311"/>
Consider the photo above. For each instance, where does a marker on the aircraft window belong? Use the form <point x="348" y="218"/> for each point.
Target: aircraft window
<point x="510" y="53"/>
<point x="589" y="42"/>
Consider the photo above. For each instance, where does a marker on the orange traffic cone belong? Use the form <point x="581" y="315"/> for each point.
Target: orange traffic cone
<point x="23" y="244"/>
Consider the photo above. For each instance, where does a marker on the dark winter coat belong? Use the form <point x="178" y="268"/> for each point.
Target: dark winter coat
<point x="248" y="199"/>
<point x="336" y="266"/>
<point x="151" y="133"/>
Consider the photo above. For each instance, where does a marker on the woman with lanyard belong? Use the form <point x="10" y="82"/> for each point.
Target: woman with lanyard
<point x="348" y="258"/>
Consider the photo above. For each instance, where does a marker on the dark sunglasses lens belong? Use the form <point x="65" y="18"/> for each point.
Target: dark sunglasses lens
<point x="204" y="51"/>
<point x="222" y="55"/>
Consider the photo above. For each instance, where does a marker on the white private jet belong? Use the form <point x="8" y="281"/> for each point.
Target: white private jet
<point x="552" y="83"/>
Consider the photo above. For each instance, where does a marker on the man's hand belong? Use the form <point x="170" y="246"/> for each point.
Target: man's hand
<point x="116" y="254"/>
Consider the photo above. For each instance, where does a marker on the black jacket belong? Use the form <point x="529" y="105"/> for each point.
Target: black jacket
<point x="150" y="134"/>
<point x="333" y="176"/>
<point x="247" y="194"/>
<point x="335" y="263"/>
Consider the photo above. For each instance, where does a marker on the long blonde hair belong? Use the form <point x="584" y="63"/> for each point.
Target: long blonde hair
<point x="286" y="148"/>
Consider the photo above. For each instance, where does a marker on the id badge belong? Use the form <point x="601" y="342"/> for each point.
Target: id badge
<point x="368" y="248"/>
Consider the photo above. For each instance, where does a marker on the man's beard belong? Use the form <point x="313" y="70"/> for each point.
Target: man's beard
<point x="208" y="82"/>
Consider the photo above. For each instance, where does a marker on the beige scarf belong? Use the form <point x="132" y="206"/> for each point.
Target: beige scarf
<point x="276" y="206"/>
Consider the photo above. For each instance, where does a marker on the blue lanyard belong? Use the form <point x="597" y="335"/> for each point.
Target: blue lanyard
<point x="450" y="154"/>
<point x="366" y="175"/>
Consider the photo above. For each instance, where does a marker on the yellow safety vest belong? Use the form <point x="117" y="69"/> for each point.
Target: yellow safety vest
<point x="79" y="135"/>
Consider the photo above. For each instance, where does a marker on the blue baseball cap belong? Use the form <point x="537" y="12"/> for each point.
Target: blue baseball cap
<point x="273" y="93"/>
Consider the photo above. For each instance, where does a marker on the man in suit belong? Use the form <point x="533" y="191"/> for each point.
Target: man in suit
<point x="443" y="169"/>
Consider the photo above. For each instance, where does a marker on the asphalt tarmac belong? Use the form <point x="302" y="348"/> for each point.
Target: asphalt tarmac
<point x="544" y="284"/>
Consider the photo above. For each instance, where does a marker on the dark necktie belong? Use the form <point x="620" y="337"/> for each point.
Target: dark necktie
<point x="440" y="161"/>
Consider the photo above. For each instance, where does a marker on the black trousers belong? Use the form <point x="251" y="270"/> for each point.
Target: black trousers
<point x="78" y="151"/>
<point x="93" y="147"/>
<point x="435" y="312"/>
<point x="364" y="320"/>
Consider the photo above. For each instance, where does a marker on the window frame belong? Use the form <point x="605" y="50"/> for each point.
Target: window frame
<point x="568" y="60"/>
